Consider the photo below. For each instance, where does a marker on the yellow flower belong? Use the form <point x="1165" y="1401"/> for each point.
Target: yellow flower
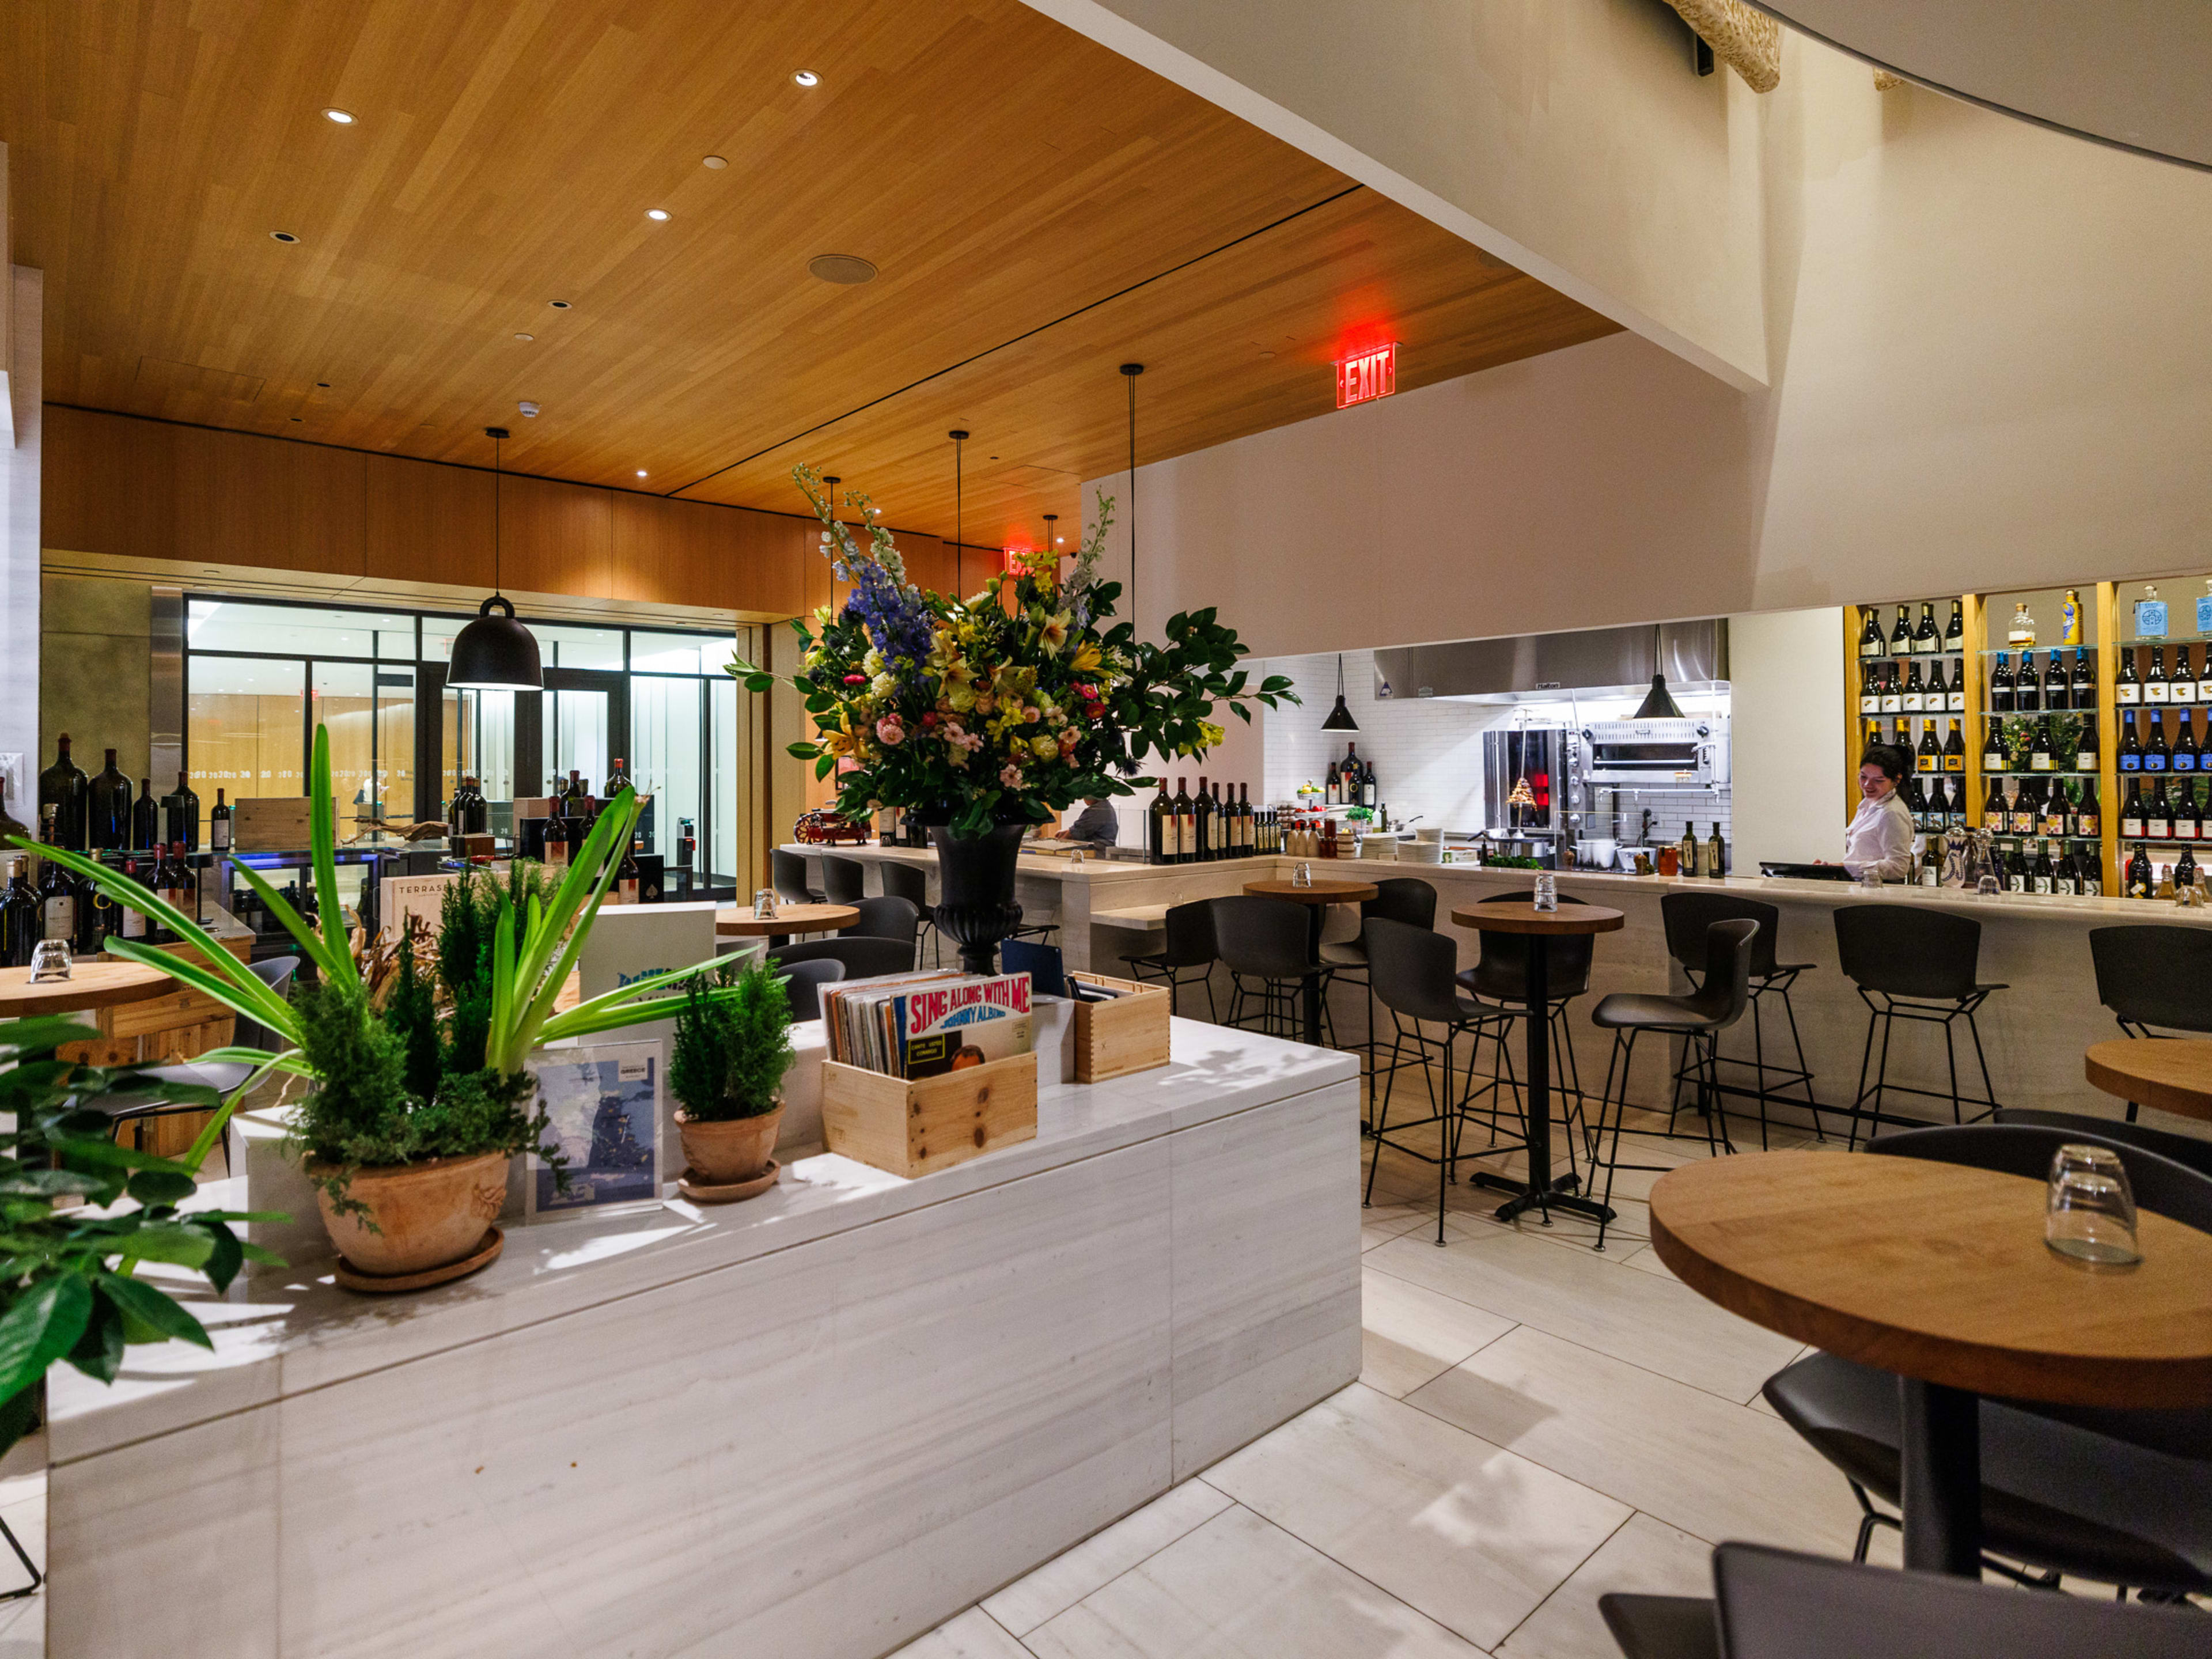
<point x="1054" y="633"/>
<point x="1044" y="748"/>
<point x="872" y="664"/>
<point x="960" y="698"/>
<point x="1214" y="734"/>
<point x="884" y="685"/>
<point x="1086" y="657"/>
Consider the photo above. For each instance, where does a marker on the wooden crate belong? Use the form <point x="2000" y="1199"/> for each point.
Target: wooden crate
<point x="912" y="1127"/>
<point x="269" y="823"/>
<point x="1129" y="1034"/>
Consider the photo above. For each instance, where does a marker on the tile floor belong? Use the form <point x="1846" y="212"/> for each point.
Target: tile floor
<point x="1536" y="1424"/>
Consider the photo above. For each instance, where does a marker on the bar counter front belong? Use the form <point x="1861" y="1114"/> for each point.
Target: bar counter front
<point x="815" y="1423"/>
<point x="2034" y="1031"/>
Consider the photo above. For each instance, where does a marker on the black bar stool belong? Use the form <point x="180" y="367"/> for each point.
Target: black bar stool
<point x="1686" y="916"/>
<point x="911" y="882"/>
<point x="1913" y="964"/>
<point x="1410" y="972"/>
<point x="2154" y="976"/>
<point x="1397" y="899"/>
<point x="843" y="880"/>
<point x="1189" y="945"/>
<point x="788" y="877"/>
<point x="1724" y="989"/>
<point x="1499" y="979"/>
<point x="1267" y="940"/>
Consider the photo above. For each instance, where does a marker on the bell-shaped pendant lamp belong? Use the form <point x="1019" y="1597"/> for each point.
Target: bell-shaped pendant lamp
<point x="1658" y="702"/>
<point x="495" y="653"/>
<point x="1340" y="718"/>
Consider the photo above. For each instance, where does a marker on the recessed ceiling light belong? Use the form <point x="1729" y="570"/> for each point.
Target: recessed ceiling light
<point x="656" y="213"/>
<point x="558" y="305"/>
<point x="713" y="163"/>
<point x="641" y="472"/>
<point x="846" y="269"/>
<point x="341" y="117"/>
<point x="807" y="78"/>
<point x="1264" y="355"/>
<point x="525" y="336"/>
<point x="283" y="236"/>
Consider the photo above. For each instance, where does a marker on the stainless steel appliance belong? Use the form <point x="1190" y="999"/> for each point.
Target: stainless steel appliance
<point x="1541" y="757"/>
<point x="1691" y="753"/>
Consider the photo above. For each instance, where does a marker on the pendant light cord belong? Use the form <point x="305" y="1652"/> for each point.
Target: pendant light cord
<point x="495" y="476"/>
<point x="959" y="521"/>
<point x="1129" y="372"/>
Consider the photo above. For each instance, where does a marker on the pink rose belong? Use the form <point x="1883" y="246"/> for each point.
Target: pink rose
<point x="890" y="732"/>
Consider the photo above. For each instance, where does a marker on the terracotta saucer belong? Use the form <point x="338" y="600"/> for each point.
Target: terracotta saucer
<point x="701" y="1192"/>
<point x="483" y="1255"/>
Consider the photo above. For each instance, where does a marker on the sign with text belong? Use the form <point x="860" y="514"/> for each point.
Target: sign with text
<point x="1366" y="375"/>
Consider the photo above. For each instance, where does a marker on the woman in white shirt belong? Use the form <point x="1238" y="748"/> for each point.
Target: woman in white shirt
<point x="1880" y="838"/>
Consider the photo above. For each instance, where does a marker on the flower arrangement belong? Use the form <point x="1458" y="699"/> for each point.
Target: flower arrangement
<point x="1006" y="707"/>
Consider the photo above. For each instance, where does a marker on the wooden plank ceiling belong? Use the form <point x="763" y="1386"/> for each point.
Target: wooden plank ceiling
<point x="1040" y="210"/>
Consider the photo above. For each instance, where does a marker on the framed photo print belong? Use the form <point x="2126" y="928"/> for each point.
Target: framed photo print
<point x="604" y="1103"/>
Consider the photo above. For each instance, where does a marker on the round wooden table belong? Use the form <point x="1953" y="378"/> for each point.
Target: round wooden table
<point x="91" y="984"/>
<point x="2172" y="1073"/>
<point x="1540" y="1192"/>
<point x="739" y="921"/>
<point x="1317" y="896"/>
<point x="1939" y="1274"/>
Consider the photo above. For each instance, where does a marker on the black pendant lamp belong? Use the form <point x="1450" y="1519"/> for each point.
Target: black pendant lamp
<point x="1658" y="703"/>
<point x="1340" y="718"/>
<point x="494" y="652"/>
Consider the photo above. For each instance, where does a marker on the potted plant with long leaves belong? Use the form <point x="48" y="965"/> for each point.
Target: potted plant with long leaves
<point x="726" y="1068"/>
<point x="991" y="714"/>
<point x="406" y="1143"/>
<point x="69" y="1288"/>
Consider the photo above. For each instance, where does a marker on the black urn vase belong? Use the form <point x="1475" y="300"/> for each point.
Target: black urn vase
<point x="976" y="890"/>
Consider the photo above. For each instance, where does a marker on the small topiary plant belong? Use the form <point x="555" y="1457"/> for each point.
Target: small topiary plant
<point x="730" y="1052"/>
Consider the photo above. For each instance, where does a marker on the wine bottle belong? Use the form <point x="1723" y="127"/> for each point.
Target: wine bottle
<point x="2131" y="812"/>
<point x="1930" y="758"/>
<point x="1993" y="750"/>
<point x="1716" y="855"/>
<point x="2040" y="874"/>
<point x="2016" y="870"/>
<point x="2001" y="686"/>
<point x="1925" y="639"/>
<point x="2039" y="756"/>
<point x="2084" y="746"/>
<point x="2140" y="884"/>
<point x="2185" y="869"/>
<point x="2205" y="680"/>
<point x="1996" y="809"/>
<point x="1186" y="823"/>
<point x="2088" y="817"/>
<point x="2127" y="685"/>
<point x="2057" y="808"/>
<point x="97" y="916"/>
<point x="1954" y="695"/>
<point x="1916" y="689"/>
<point x="22" y="923"/>
<point x="2066" y="876"/>
<point x="2131" y="751"/>
<point x="180" y="814"/>
<point x="1931" y="864"/>
<point x="2055" y="686"/>
<point x="57" y="892"/>
<point x="627" y="875"/>
<point x="1201" y="823"/>
<point x="2084" y="689"/>
<point x="2027" y="687"/>
<point x="1160" y="826"/>
<point x="65" y="786"/>
<point x="132" y="924"/>
<point x="1870" y="643"/>
<point x="1870" y="678"/>
<point x="1915" y="798"/>
<point x="1685" y="851"/>
<point x="2185" y="756"/>
<point x="107" y="808"/>
<point x="183" y="881"/>
<point x="1893" y="690"/>
<point x="2182" y="688"/>
<point x="2155" y="688"/>
<point x="219" y="826"/>
<point x="1900" y="637"/>
<point x="2027" y="807"/>
<point x="616" y="781"/>
<point x="2154" y="751"/>
<point x="2188" y="816"/>
<point x="556" y="842"/>
<point x="2089" y="866"/>
<point x="10" y="824"/>
<point x="145" y="818"/>
<point x="2158" y="814"/>
<point x="1955" y="750"/>
<point x="1250" y="823"/>
<point x="1370" y="787"/>
<point x="1955" y="631"/>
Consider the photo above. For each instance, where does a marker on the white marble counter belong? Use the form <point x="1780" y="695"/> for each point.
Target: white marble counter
<point x="812" y="1424"/>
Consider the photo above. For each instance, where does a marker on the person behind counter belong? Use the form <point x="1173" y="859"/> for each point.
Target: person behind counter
<point x="1096" y="825"/>
<point x="1880" y="838"/>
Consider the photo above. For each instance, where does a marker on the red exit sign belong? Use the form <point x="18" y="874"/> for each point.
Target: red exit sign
<point x="1367" y="375"/>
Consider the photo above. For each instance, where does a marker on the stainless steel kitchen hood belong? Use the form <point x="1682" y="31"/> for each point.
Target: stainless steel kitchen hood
<point x="1541" y="667"/>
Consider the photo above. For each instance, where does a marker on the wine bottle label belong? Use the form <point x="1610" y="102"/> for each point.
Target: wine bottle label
<point x="2187" y="830"/>
<point x="2016" y="884"/>
<point x="1954" y="762"/>
<point x="2124" y="694"/>
<point x="2043" y="884"/>
<point x="2183" y="762"/>
<point x="2183" y="691"/>
<point x="2039" y="762"/>
<point x="61" y="918"/>
<point x="2156" y="691"/>
<point x="134" y="924"/>
<point x="2088" y="829"/>
<point x="1912" y="702"/>
<point x="1957" y="701"/>
<point x="1930" y="876"/>
<point x="1892" y="702"/>
<point x="2152" y="761"/>
<point x="2131" y="763"/>
<point x="2158" y="829"/>
<point x="1870" y="703"/>
<point x="2130" y="827"/>
<point x="2085" y="760"/>
<point x="219" y="835"/>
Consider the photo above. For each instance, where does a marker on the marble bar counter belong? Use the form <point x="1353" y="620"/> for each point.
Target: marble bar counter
<point x="2034" y="1032"/>
<point x="815" y="1423"/>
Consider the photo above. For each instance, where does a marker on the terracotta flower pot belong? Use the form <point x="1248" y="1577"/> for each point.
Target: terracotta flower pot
<point x="427" y="1214"/>
<point x="734" y="1149"/>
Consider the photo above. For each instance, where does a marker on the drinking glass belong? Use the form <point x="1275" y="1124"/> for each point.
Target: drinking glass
<point x="764" y="904"/>
<point x="2091" y="1212"/>
<point x="1302" y="875"/>
<point x="50" y="960"/>
<point x="1988" y="887"/>
<point x="1547" y="890"/>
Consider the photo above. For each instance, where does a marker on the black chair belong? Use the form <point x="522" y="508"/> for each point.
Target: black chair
<point x="1499" y="979"/>
<point x="2111" y="1495"/>
<point x="911" y="882"/>
<point x="2185" y="1150"/>
<point x="803" y="982"/>
<point x="844" y="881"/>
<point x="1397" y="899"/>
<point x="861" y="958"/>
<point x="885" y="916"/>
<point x="220" y="1075"/>
<point x="1410" y="971"/>
<point x="2154" y="976"/>
<point x="1776" y="1604"/>
<point x="1267" y="940"/>
<point x="1723" y="992"/>
<point x="1919" y="965"/>
<point x="1190" y="946"/>
<point x="788" y="877"/>
<point x="1686" y="916"/>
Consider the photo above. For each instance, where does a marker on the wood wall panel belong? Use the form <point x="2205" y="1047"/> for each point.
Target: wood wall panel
<point x="242" y="499"/>
<point x="107" y="484"/>
<point x="568" y="533"/>
<point x="427" y="523"/>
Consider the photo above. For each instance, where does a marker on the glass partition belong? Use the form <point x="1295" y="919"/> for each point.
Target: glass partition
<point x="369" y="710"/>
<point x="722" y="695"/>
<point x="477" y="741"/>
<point x="298" y="631"/>
<point x="668" y="756"/>
<point x="244" y="729"/>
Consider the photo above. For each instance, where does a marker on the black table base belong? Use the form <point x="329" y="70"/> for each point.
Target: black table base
<point x="1940" y="1484"/>
<point x="1541" y="1191"/>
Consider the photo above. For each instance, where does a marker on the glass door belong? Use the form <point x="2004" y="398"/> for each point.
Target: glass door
<point x="583" y="722"/>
